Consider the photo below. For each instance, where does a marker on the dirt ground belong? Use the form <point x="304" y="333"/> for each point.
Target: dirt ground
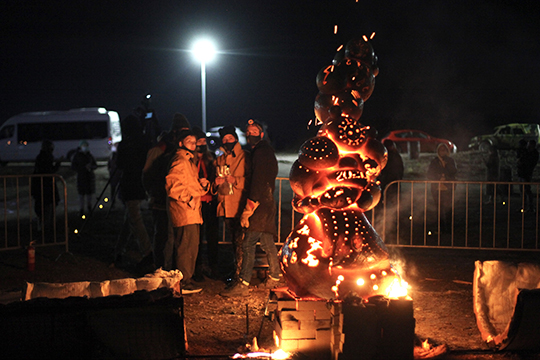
<point x="440" y="280"/>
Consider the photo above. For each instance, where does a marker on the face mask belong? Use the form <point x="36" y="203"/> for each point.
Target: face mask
<point x="253" y="140"/>
<point x="202" y="148"/>
<point x="229" y="146"/>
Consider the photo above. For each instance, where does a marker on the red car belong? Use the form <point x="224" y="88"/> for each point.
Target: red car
<point x="427" y="142"/>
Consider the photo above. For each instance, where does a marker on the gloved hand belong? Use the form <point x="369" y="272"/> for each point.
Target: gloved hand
<point x="250" y="208"/>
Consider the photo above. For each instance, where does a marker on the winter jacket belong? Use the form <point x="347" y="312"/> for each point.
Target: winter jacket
<point x="84" y="164"/>
<point x="184" y="190"/>
<point x="231" y="206"/>
<point x="45" y="164"/>
<point x="262" y="182"/>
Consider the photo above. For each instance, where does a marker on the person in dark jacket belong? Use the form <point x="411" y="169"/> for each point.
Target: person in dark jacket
<point x="492" y="171"/>
<point x="44" y="189"/>
<point x="259" y="213"/>
<point x="131" y="158"/>
<point x="154" y="174"/>
<point x="84" y="164"/>
<point x="392" y="171"/>
<point x="527" y="158"/>
<point x="443" y="168"/>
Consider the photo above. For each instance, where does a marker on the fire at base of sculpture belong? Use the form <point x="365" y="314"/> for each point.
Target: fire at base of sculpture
<point x="378" y="328"/>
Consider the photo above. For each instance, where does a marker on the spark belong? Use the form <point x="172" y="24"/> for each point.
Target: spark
<point x="372" y="35"/>
<point x="360" y="282"/>
<point x="365" y="38"/>
<point x="335" y="29"/>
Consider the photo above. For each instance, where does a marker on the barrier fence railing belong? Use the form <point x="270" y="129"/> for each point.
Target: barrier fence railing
<point x="467" y="215"/>
<point x="29" y="213"/>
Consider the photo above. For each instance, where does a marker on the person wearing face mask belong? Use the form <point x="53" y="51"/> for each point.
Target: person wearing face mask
<point x="206" y="167"/>
<point x="231" y="193"/>
<point x="258" y="215"/>
<point x="84" y="164"/>
<point x="184" y="191"/>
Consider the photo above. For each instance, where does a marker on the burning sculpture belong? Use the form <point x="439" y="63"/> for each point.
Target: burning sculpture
<point x="334" y="252"/>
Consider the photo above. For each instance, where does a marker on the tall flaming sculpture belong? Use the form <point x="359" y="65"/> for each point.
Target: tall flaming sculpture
<point x="334" y="252"/>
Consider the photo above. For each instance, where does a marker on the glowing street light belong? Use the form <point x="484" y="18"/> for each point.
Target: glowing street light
<point x="204" y="51"/>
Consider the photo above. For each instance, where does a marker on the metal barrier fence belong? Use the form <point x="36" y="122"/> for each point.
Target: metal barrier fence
<point x="467" y="215"/>
<point x="460" y="215"/>
<point x="29" y="213"/>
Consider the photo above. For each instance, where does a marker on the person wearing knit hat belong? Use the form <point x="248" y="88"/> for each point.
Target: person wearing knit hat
<point x="229" y="129"/>
<point x="184" y="191"/>
<point x="258" y="215"/>
<point x="230" y="186"/>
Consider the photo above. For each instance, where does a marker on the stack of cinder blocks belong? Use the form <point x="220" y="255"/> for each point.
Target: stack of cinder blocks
<point x="379" y="328"/>
<point x="308" y="326"/>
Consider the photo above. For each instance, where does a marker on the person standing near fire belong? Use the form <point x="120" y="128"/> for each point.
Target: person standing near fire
<point x="184" y="191"/>
<point x="443" y="168"/>
<point x="231" y="193"/>
<point x="258" y="216"/>
<point x="206" y="167"/>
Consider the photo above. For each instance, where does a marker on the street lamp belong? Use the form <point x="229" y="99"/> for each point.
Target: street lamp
<point x="204" y="51"/>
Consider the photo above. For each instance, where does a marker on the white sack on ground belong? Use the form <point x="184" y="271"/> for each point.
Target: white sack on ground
<point x="495" y="289"/>
<point x="158" y="279"/>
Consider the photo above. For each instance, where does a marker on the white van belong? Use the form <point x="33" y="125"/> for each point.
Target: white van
<point x="21" y="135"/>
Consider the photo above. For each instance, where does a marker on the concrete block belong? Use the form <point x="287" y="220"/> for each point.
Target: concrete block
<point x="290" y="325"/>
<point x="298" y="334"/>
<point x="315" y="324"/>
<point x="312" y="305"/>
<point x="297" y="315"/>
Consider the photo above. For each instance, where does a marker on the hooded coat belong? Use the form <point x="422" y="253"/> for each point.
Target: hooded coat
<point x="231" y="206"/>
<point x="184" y="190"/>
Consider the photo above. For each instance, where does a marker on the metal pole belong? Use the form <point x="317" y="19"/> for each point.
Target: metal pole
<point x="203" y="90"/>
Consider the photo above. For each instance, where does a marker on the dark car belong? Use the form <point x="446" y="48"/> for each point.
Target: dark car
<point x="404" y="139"/>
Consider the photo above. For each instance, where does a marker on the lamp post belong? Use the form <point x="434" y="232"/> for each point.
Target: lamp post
<point x="204" y="51"/>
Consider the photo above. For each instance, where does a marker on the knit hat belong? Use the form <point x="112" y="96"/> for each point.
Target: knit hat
<point x="229" y="129"/>
<point x="184" y="134"/>
<point x="199" y="134"/>
<point x="180" y="122"/>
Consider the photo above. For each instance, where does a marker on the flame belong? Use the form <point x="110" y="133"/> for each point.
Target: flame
<point x="425" y="345"/>
<point x="278" y="354"/>
<point x="398" y="288"/>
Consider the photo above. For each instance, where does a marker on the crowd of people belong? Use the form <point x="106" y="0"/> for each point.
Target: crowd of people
<point x="189" y="189"/>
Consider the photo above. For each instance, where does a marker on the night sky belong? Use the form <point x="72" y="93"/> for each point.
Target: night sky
<point x="452" y="68"/>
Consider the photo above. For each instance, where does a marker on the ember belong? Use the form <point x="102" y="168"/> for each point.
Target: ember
<point x="334" y="252"/>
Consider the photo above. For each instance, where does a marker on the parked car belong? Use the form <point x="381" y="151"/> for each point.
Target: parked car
<point x="506" y="137"/>
<point x="213" y="139"/>
<point x="404" y="139"/>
